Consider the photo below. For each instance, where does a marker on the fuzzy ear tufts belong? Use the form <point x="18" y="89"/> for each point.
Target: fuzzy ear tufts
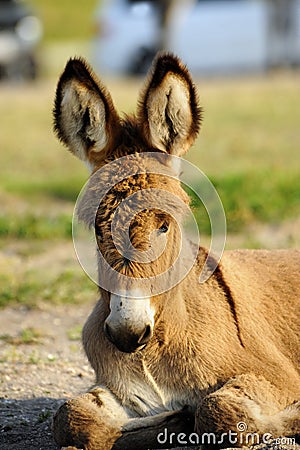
<point x="85" y="119"/>
<point x="168" y="111"/>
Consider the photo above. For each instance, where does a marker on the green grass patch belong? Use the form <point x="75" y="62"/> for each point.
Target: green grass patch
<point x="66" y="19"/>
<point x="74" y="334"/>
<point x="27" y="336"/>
<point x="265" y="197"/>
<point x="248" y="197"/>
<point x="66" y="188"/>
<point x="34" y="286"/>
<point x="44" y="415"/>
<point x="35" y="226"/>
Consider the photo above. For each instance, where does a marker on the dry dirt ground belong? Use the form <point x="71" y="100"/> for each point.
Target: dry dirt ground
<point x="39" y="367"/>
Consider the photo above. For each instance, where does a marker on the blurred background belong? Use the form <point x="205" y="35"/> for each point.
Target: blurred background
<point x="244" y="56"/>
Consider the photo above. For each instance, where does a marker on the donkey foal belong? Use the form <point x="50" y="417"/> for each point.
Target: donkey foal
<point x="197" y="358"/>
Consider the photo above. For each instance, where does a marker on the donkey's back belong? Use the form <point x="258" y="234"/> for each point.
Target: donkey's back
<point x="266" y="287"/>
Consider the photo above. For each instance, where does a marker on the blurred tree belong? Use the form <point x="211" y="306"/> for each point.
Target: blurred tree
<point x="282" y="45"/>
<point x="169" y="14"/>
<point x="169" y="10"/>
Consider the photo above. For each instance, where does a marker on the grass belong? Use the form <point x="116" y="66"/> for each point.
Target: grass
<point x="249" y="148"/>
<point x="32" y="287"/>
<point x="27" y="336"/>
<point x="66" y="19"/>
<point x="44" y="415"/>
<point x="57" y="188"/>
<point x="249" y="125"/>
<point x="74" y="334"/>
<point x="276" y="200"/>
<point x="35" y="226"/>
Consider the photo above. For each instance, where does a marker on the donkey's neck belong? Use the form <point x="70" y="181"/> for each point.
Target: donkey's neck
<point x="188" y="306"/>
<point x="175" y="304"/>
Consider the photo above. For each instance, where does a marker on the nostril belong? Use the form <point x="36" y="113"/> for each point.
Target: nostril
<point x="146" y="336"/>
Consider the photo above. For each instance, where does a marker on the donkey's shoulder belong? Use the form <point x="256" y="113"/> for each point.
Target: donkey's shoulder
<point x="265" y="286"/>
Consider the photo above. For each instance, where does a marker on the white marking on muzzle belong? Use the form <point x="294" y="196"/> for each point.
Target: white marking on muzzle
<point x="130" y="309"/>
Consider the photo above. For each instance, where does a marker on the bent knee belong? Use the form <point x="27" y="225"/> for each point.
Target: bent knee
<point x="244" y="404"/>
<point x="93" y="420"/>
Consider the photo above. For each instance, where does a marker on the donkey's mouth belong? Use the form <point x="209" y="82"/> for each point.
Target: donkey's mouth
<point x="128" y="342"/>
<point x="129" y="349"/>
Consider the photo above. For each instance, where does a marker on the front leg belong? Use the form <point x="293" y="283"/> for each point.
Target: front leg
<point x="91" y="421"/>
<point x="155" y="432"/>
<point x="245" y="411"/>
<point x="97" y="420"/>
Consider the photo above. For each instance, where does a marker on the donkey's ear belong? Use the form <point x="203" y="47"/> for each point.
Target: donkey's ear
<point x="84" y="116"/>
<point x="168" y="109"/>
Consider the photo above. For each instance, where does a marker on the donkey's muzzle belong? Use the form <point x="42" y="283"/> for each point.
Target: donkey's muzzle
<point x="128" y="341"/>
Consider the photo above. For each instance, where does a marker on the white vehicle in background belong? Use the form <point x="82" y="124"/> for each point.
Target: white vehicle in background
<point x="211" y="36"/>
<point x="20" y="34"/>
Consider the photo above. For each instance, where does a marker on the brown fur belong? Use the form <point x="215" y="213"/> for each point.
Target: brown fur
<point x="82" y="421"/>
<point x="228" y="348"/>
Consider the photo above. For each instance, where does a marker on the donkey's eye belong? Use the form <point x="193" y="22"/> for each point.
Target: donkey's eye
<point x="164" y="227"/>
